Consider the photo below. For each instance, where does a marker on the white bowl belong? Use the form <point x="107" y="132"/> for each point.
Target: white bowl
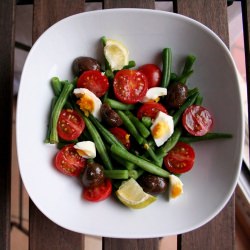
<point x="210" y="184"/>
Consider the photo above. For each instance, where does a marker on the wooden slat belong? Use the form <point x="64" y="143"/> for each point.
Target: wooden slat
<point x="131" y="244"/>
<point x="212" y="13"/>
<point x="219" y="233"/>
<point x="147" y="4"/>
<point x="7" y="9"/>
<point x="44" y="234"/>
<point x="47" y="12"/>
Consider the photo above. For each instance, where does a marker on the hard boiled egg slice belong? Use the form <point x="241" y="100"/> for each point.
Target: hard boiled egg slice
<point x="86" y="149"/>
<point x="153" y="94"/>
<point x="175" y="186"/>
<point x="162" y="128"/>
<point x="88" y="102"/>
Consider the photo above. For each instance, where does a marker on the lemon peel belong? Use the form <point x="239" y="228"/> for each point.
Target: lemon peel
<point x="116" y="54"/>
<point x="131" y="194"/>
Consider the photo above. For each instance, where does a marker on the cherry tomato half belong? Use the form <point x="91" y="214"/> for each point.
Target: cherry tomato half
<point x="130" y="86"/>
<point x="98" y="193"/>
<point x="153" y="74"/>
<point x="150" y="109"/>
<point x="70" y="125"/>
<point x="180" y="159"/>
<point x="94" y="81"/>
<point x="69" y="162"/>
<point x="197" y="120"/>
<point x="122" y="135"/>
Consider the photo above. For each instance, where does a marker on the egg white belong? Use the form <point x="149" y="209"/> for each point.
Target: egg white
<point x="86" y="149"/>
<point x="79" y="92"/>
<point x="154" y="93"/>
<point x="164" y="122"/>
<point x="175" y="186"/>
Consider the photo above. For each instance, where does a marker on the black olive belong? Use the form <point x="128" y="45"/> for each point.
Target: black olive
<point x="153" y="184"/>
<point x="109" y="116"/>
<point x="93" y="175"/>
<point x="83" y="63"/>
<point x="177" y="95"/>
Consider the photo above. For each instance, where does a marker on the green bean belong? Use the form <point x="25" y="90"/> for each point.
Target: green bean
<point x="144" y="164"/>
<point x="183" y="77"/>
<point x="57" y="85"/>
<point x="192" y="91"/>
<point x="147" y="121"/>
<point x="198" y="100"/>
<point x="189" y="63"/>
<point x="208" y="136"/>
<point x="105" y="96"/>
<point x="107" y="135"/>
<point x="170" y="143"/>
<point x="187" y="70"/>
<point x="190" y="100"/>
<point x="119" y="105"/>
<point x="100" y="147"/>
<point x="135" y="173"/>
<point x="117" y="174"/>
<point x="130" y="127"/>
<point x="130" y="65"/>
<point x="67" y="88"/>
<point x="151" y="153"/>
<point x="90" y="160"/>
<point x="108" y="71"/>
<point x="173" y="77"/>
<point x="53" y="102"/>
<point x="138" y="124"/>
<point x="103" y="40"/>
<point x="127" y="164"/>
<point x="151" y="142"/>
<point x="167" y="66"/>
<point x="133" y="130"/>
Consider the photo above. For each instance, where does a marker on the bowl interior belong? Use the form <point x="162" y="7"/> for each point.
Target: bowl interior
<point x="207" y="188"/>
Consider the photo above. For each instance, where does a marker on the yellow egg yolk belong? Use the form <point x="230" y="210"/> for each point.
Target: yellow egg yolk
<point x="86" y="104"/>
<point x="81" y="152"/>
<point x="127" y="136"/>
<point x="176" y="190"/>
<point x="160" y="129"/>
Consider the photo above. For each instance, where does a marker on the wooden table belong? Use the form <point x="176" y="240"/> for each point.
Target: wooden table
<point x="44" y="234"/>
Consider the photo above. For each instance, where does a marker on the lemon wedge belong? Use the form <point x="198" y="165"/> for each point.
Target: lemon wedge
<point x="131" y="194"/>
<point x="116" y="54"/>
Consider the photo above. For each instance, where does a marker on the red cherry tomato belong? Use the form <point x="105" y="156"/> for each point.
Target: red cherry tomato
<point x="153" y="74"/>
<point x="70" y="125"/>
<point x="130" y="86"/>
<point x="94" y="81"/>
<point x="150" y="109"/>
<point x="180" y="159"/>
<point x="197" y="120"/>
<point x="122" y="135"/>
<point x="98" y="193"/>
<point x="69" y="162"/>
